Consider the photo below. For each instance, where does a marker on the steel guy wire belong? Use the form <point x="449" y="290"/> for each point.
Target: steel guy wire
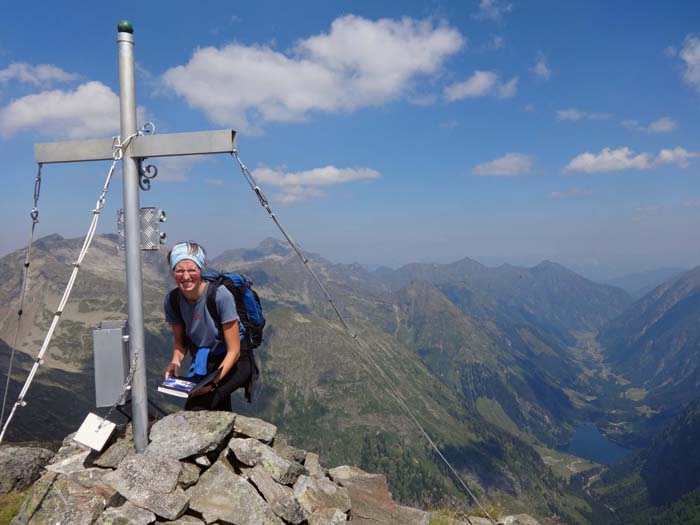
<point x="34" y="214"/>
<point x="118" y="147"/>
<point x="367" y="354"/>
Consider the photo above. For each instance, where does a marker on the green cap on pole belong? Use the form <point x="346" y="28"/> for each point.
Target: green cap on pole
<point x="124" y="26"/>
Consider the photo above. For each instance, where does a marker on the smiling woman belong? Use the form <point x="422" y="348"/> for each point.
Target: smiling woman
<point x="211" y="345"/>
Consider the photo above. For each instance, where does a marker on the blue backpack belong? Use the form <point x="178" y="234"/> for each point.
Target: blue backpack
<point x="247" y="304"/>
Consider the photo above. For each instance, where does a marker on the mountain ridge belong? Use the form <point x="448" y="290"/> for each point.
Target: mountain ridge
<point x="303" y="392"/>
<point x="655" y="342"/>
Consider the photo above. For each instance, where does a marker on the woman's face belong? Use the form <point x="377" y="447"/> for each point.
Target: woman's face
<point x="187" y="275"/>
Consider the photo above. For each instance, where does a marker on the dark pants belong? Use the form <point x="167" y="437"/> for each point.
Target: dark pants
<point x="238" y="377"/>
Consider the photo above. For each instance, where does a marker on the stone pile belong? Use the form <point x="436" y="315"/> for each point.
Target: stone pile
<point x="207" y="467"/>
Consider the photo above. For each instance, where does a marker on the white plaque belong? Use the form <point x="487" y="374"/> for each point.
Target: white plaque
<point x="94" y="432"/>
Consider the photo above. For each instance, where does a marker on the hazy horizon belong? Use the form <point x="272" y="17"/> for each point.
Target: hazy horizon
<point x="593" y="272"/>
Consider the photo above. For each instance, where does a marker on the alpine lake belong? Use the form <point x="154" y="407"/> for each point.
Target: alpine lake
<point x="590" y="443"/>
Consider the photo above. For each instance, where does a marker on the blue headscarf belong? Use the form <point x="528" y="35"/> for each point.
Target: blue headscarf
<point x="181" y="252"/>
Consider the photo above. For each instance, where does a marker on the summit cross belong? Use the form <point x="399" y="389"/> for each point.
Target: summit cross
<point x="138" y="147"/>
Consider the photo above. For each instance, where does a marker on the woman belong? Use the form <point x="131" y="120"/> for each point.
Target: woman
<point x="194" y="329"/>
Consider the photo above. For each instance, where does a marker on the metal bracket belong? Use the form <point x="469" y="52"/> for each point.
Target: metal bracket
<point x="145" y="175"/>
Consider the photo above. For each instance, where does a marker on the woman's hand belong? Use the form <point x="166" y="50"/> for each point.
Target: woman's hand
<point x="172" y="369"/>
<point x="202" y="391"/>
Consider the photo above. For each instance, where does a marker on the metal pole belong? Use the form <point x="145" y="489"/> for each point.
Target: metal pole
<point x="132" y="232"/>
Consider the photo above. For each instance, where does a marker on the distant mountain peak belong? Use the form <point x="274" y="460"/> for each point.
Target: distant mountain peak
<point x="546" y="263"/>
<point x="48" y="239"/>
<point x="272" y="246"/>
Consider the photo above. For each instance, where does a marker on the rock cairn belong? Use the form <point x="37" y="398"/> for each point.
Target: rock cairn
<point x="201" y="468"/>
<point x="207" y="467"/>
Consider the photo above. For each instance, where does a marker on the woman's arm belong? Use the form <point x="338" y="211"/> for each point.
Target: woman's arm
<point x="233" y="349"/>
<point x="178" y="351"/>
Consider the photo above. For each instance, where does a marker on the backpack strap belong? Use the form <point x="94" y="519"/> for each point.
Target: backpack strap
<point x="174" y="300"/>
<point x="211" y="304"/>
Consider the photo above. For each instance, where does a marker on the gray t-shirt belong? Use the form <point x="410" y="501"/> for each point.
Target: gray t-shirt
<point x="199" y="325"/>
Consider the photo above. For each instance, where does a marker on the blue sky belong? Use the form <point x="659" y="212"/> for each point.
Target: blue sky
<point x="382" y="133"/>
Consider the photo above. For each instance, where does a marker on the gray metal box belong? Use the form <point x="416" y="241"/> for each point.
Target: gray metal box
<point x="111" y="353"/>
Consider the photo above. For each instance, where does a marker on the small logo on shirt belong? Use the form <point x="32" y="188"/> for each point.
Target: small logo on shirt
<point x="197" y="316"/>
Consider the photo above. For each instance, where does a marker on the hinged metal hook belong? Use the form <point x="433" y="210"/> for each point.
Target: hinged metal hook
<point x="149" y="128"/>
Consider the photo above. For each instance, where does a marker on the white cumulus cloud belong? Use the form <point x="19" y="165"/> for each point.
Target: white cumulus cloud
<point x="541" y="69"/>
<point x="678" y="156"/>
<point x="91" y="110"/>
<point x="177" y="169"/>
<point x="661" y="125"/>
<point x="325" y="176"/>
<point x="358" y="63"/>
<point x="509" y="164"/>
<point x="624" y="158"/>
<point x="294" y="194"/>
<point x="35" y="75"/>
<point x="480" y="84"/>
<point x="492" y="10"/>
<point x="575" y="115"/>
<point x="690" y="54"/>
<point x="297" y="186"/>
<point x="571" y="192"/>
<point x="496" y="42"/>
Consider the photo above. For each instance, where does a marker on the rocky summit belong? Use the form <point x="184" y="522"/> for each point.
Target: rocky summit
<point x="200" y="467"/>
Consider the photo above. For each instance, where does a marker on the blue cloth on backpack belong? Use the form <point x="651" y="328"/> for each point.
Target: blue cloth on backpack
<point x="199" y="363"/>
<point x="201" y="359"/>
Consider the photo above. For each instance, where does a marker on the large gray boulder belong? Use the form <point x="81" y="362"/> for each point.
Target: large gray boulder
<point x="151" y="482"/>
<point x="255" y="428"/>
<point x="70" y="464"/>
<point x="185" y="520"/>
<point x="371" y="500"/>
<point x="122" y="447"/>
<point x="57" y="498"/>
<point x="313" y="465"/>
<point x="21" y="466"/>
<point x="320" y="494"/>
<point x="128" y="513"/>
<point x="280" y="497"/>
<point x="328" y="517"/>
<point x="411" y="516"/>
<point x="189" y="474"/>
<point x="222" y="495"/>
<point x="369" y="495"/>
<point x="186" y="434"/>
<point x="287" y="451"/>
<point x="518" y="519"/>
<point x="252" y="452"/>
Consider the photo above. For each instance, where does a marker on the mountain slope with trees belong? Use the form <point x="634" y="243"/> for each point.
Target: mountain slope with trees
<point x="656" y="342"/>
<point x="660" y="484"/>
